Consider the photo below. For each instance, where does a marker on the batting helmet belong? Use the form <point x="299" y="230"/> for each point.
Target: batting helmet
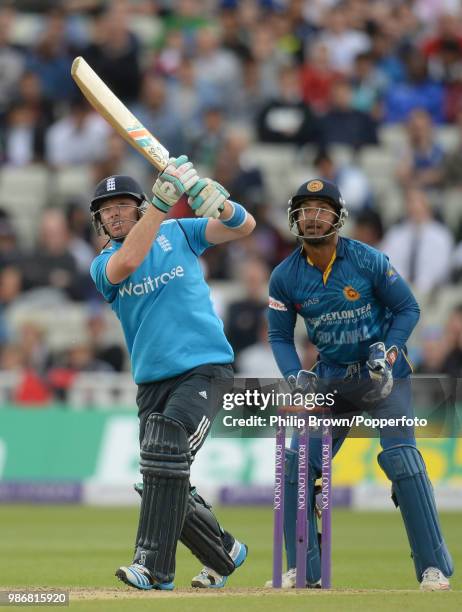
<point x="113" y="186"/>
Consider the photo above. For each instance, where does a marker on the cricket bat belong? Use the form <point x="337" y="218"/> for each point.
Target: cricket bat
<point x="117" y="114"/>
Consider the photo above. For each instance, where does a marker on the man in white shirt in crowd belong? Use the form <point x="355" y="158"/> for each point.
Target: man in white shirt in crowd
<point x="420" y="247"/>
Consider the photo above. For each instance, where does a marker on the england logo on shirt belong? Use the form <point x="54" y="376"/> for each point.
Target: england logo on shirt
<point x="164" y="243"/>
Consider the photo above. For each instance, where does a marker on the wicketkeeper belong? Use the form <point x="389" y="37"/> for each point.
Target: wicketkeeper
<point x="151" y="276"/>
<point x="359" y="313"/>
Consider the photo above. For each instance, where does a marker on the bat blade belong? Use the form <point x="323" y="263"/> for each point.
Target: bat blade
<point x="108" y="105"/>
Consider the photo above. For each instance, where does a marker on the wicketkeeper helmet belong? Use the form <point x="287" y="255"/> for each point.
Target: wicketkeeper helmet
<point x="316" y="189"/>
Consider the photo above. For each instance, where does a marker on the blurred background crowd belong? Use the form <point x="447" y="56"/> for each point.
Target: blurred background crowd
<point x="262" y="95"/>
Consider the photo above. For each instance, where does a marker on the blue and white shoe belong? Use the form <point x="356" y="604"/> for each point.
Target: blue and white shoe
<point x="210" y="579"/>
<point x="138" y="576"/>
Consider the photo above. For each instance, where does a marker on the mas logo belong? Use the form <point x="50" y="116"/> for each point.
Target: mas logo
<point x="351" y="294"/>
<point x="314" y="186"/>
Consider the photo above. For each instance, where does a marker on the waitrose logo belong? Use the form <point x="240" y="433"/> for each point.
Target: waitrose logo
<point x="150" y="283"/>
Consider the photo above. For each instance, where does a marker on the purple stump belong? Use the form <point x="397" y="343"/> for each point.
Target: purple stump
<point x="326" y="507"/>
<point x="302" y="507"/>
<point x="278" y="505"/>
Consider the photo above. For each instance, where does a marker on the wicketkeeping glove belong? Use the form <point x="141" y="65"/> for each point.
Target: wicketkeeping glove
<point x="380" y="366"/>
<point x="207" y="198"/>
<point x="178" y="178"/>
<point x="305" y="382"/>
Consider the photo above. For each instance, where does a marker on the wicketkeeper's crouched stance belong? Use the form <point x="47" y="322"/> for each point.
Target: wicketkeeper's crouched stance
<point x="152" y="278"/>
<point x="359" y="313"/>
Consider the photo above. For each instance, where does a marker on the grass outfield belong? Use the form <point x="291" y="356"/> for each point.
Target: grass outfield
<point x="79" y="548"/>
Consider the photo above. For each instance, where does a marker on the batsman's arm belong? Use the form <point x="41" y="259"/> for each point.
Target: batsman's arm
<point x="135" y="247"/>
<point x="177" y="178"/>
<point x="234" y="222"/>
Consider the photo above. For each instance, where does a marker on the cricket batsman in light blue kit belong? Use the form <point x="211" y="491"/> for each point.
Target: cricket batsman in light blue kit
<point x="150" y="274"/>
<point x="359" y="313"/>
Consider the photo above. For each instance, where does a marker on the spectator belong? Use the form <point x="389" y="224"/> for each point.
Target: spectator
<point x="440" y="46"/>
<point x="209" y="139"/>
<point x="263" y="51"/>
<point x="32" y="340"/>
<point x="236" y="170"/>
<point x="453" y="84"/>
<point x="171" y="56"/>
<point x="189" y="96"/>
<point x="31" y="93"/>
<point x="101" y="342"/>
<point x="342" y="124"/>
<point x="421" y="163"/>
<point x="368" y="85"/>
<point x="84" y="129"/>
<point x="10" y="289"/>
<point x="266" y="242"/>
<point x="119" y="159"/>
<point x="386" y="58"/>
<point x="368" y="228"/>
<point x="10" y="252"/>
<point x="432" y="351"/>
<point x="234" y="35"/>
<point x="286" y="118"/>
<point x="250" y="96"/>
<point x="156" y="111"/>
<point x="418" y="91"/>
<point x="81" y="358"/>
<point x="79" y="235"/>
<point x="115" y="53"/>
<point x="52" y="264"/>
<point x="343" y="42"/>
<point x="27" y="117"/>
<point x="50" y="59"/>
<point x="456" y="264"/>
<point x="452" y="162"/>
<point x="317" y="78"/>
<point x="351" y="180"/>
<point x="11" y="60"/>
<point x="420" y="247"/>
<point x="216" y="67"/>
<point x="257" y="360"/>
<point x="288" y="42"/>
<point x="452" y="364"/>
<point x="187" y="17"/>
<point x="244" y="316"/>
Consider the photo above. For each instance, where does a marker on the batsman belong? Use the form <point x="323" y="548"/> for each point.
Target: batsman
<point x="359" y="313"/>
<point x="150" y="274"/>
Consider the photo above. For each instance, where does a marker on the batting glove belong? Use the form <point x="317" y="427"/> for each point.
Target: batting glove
<point x="380" y="367"/>
<point x="178" y="178"/>
<point x="207" y="198"/>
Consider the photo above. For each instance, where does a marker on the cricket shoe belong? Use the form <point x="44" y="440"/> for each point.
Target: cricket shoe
<point x="140" y="577"/>
<point x="433" y="579"/>
<point x="289" y="580"/>
<point x="209" y="579"/>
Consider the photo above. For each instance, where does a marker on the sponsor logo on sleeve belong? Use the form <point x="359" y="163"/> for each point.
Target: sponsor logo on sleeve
<point x="277" y="305"/>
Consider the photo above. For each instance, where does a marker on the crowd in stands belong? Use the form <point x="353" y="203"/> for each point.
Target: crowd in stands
<point x="217" y="79"/>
